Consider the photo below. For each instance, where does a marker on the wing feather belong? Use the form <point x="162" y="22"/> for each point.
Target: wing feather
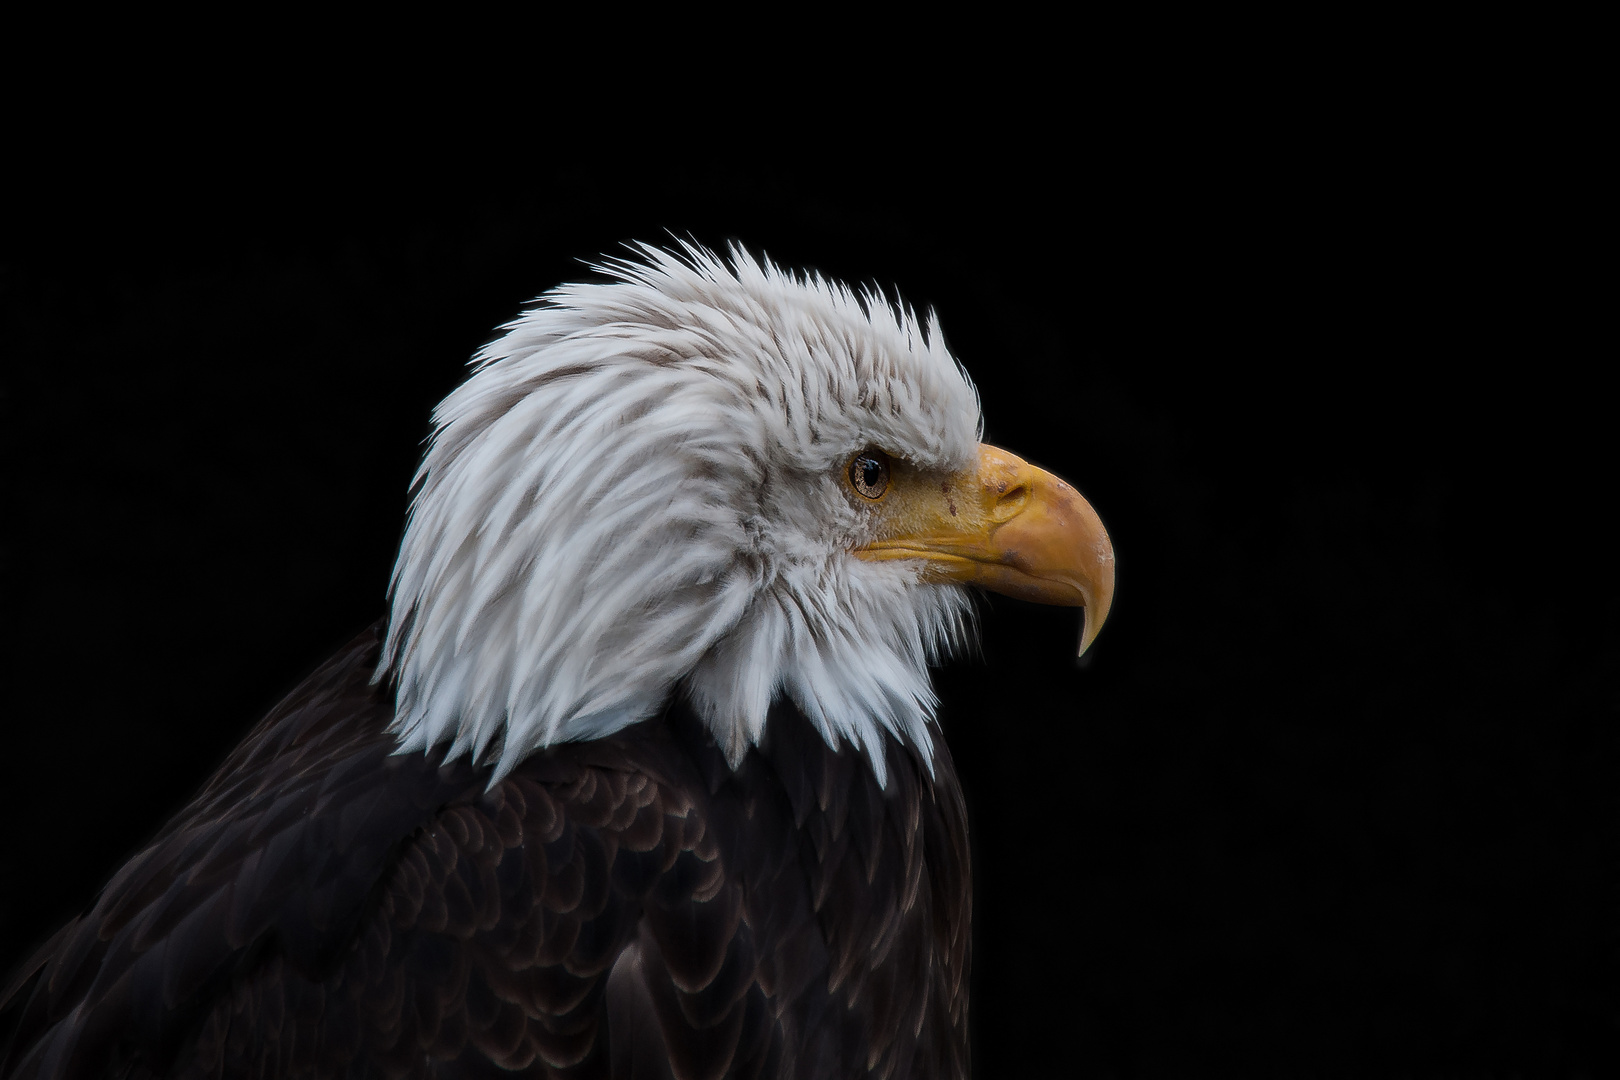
<point x="630" y="907"/>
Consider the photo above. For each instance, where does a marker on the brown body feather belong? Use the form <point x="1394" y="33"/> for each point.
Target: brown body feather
<point x="626" y="908"/>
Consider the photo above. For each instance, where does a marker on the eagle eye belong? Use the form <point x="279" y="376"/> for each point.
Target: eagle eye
<point x="869" y="473"/>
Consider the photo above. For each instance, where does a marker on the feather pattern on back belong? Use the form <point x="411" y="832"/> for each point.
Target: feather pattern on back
<point x="627" y="907"/>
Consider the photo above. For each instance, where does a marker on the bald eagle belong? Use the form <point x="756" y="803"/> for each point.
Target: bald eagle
<point x="639" y="778"/>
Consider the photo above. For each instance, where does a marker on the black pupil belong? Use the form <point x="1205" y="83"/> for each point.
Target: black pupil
<point x="871" y="472"/>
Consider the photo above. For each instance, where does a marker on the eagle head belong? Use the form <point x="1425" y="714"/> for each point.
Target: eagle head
<point x="716" y="478"/>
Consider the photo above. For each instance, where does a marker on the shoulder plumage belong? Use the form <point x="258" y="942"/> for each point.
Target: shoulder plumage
<point x="324" y="900"/>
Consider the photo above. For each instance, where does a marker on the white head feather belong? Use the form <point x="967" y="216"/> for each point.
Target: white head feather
<point x="638" y="492"/>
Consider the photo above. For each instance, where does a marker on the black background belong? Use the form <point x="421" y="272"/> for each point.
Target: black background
<point x="1335" y="792"/>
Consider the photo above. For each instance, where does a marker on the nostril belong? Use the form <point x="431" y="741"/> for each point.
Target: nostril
<point x="1008" y="495"/>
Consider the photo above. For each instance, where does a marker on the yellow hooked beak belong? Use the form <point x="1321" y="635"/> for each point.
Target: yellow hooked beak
<point x="1004" y="525"/>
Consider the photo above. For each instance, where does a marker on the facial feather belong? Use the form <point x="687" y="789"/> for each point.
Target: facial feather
<point x="635" y="494"/>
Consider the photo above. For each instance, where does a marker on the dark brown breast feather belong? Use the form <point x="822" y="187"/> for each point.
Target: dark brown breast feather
<point x="626" y="908"/>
